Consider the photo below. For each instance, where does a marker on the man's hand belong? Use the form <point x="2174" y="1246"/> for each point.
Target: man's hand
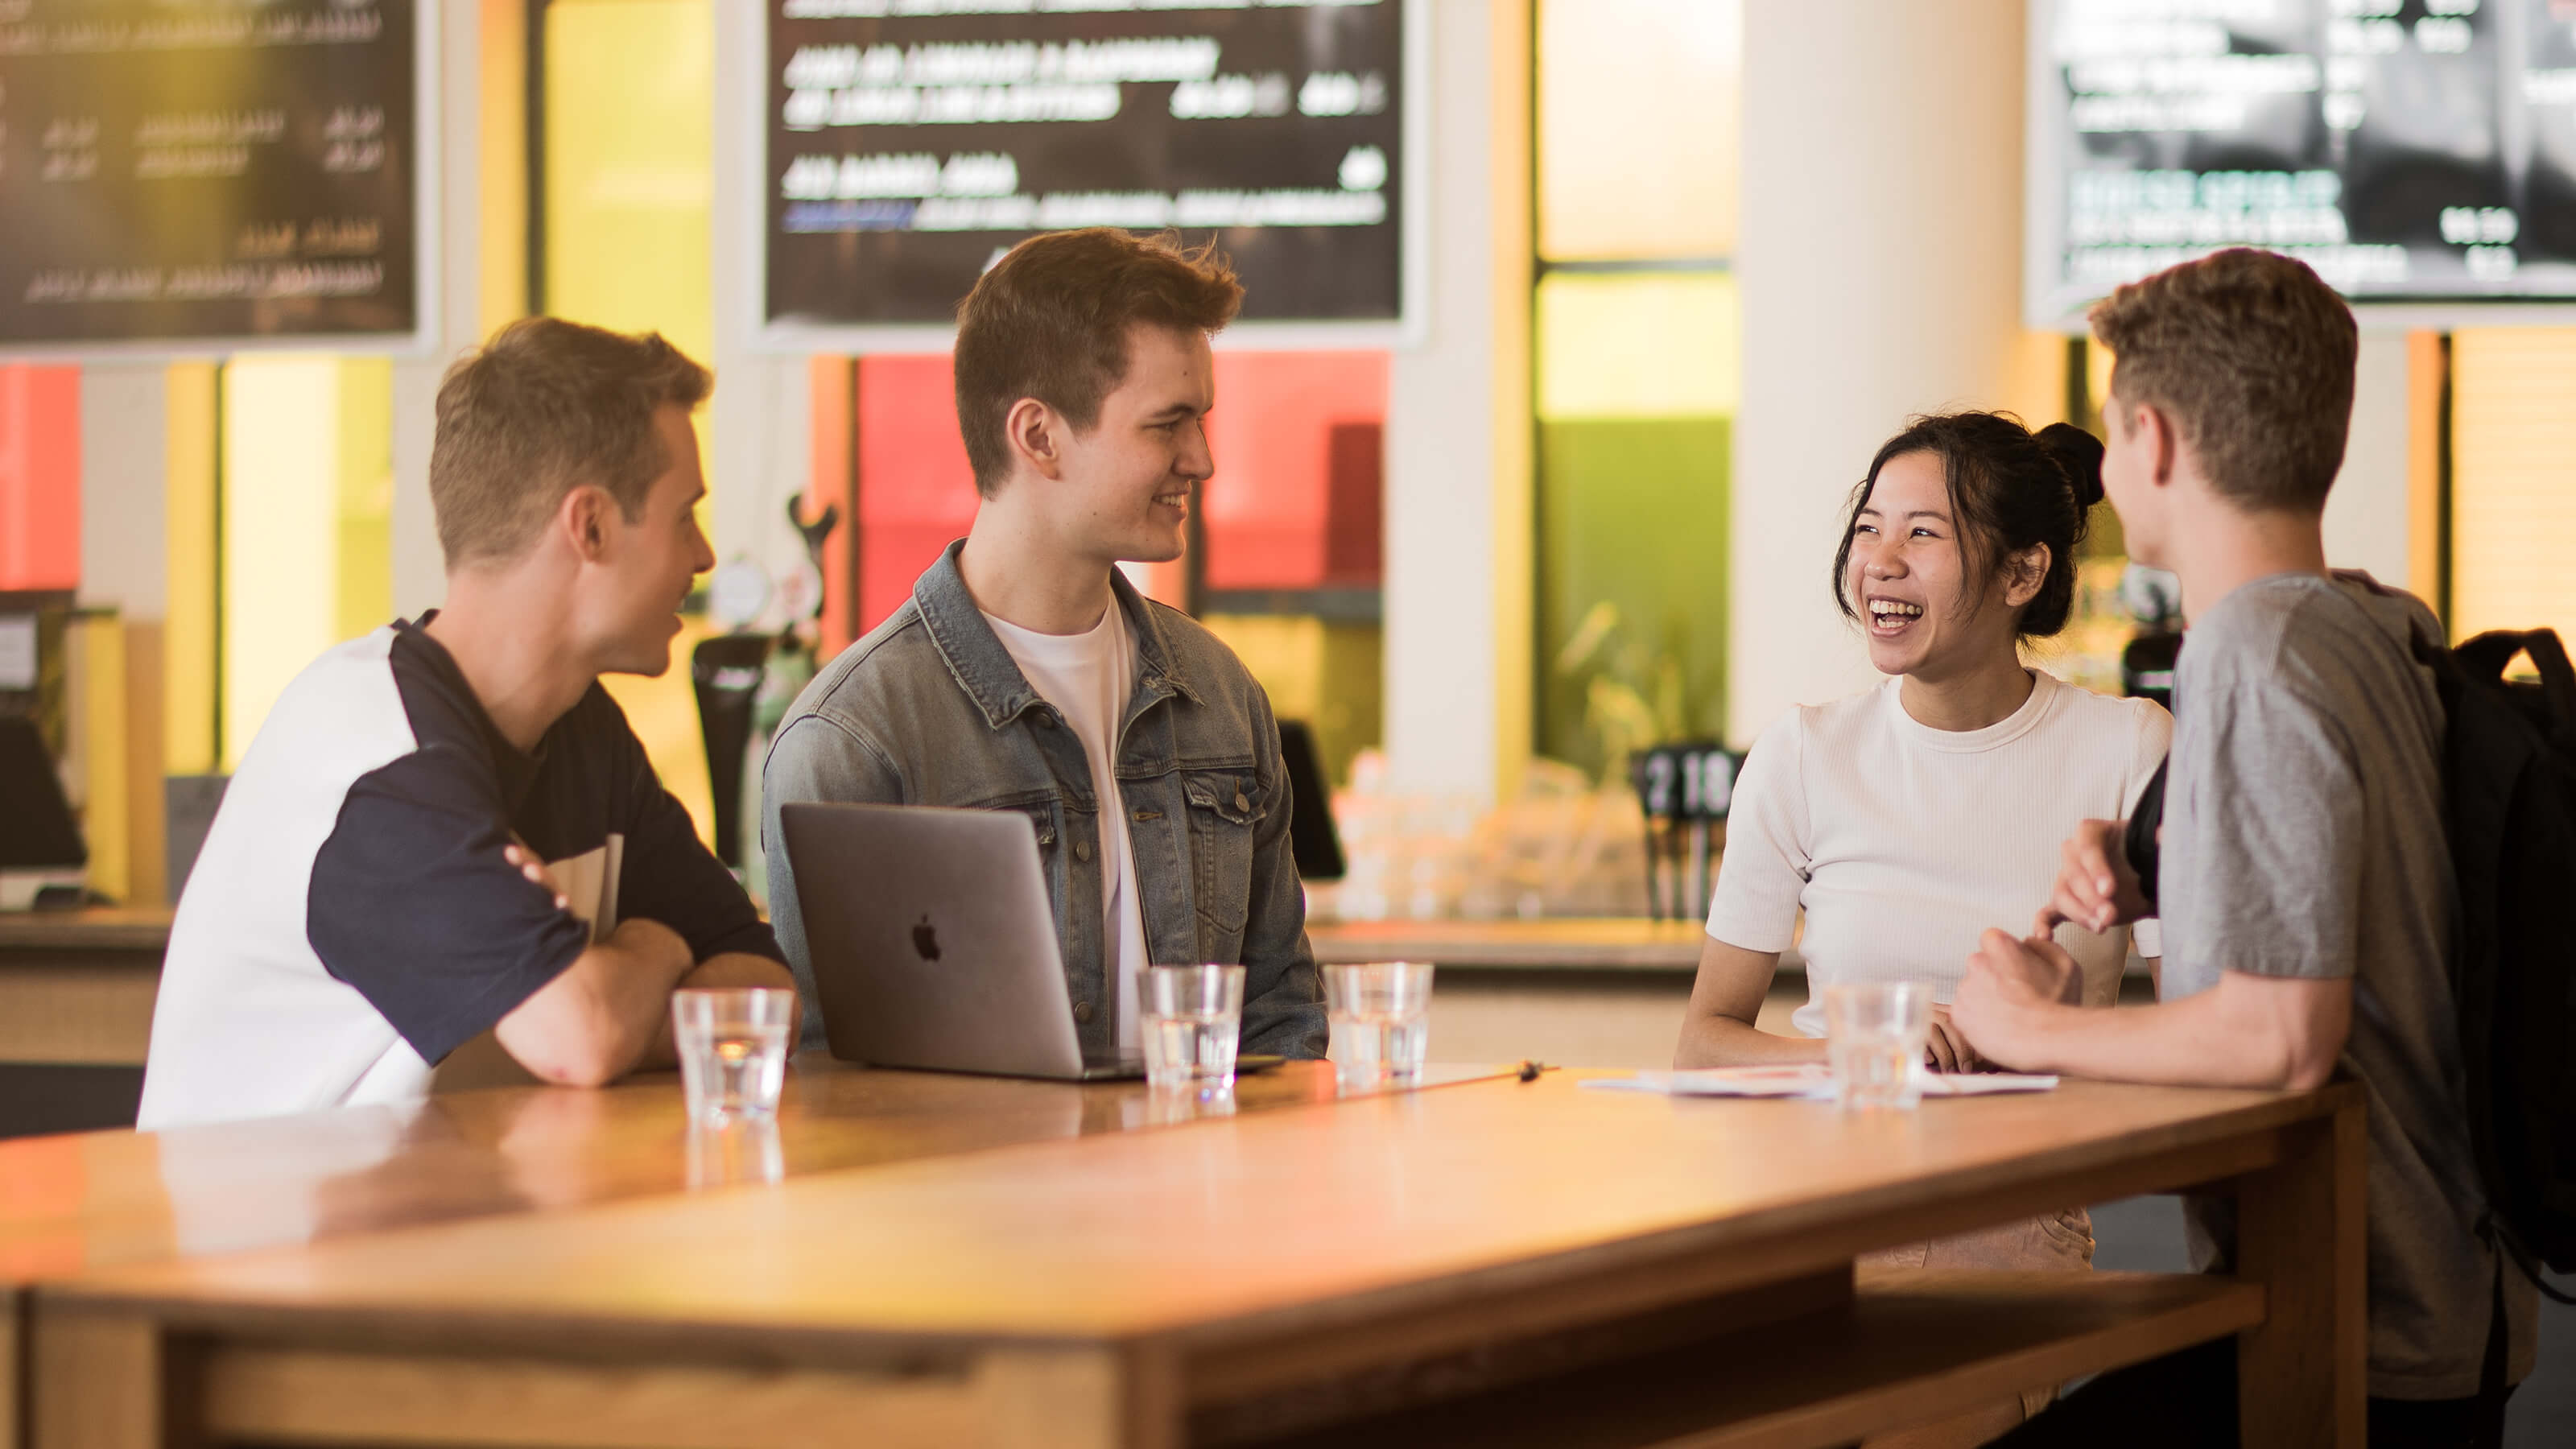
<point x="2010" y="989"/>
<point x="2097" y="890"/>
<point x="1946" y="1049"/>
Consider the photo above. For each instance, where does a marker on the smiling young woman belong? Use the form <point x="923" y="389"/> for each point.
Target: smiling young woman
<point x="1906" y="819"/>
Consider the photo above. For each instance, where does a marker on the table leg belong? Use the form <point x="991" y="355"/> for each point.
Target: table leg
<point x="109" y="1381"/>
<point x="1080" y="1399"/>
<point x="2303" y="1375"/>
<point x="13" y="1367"/>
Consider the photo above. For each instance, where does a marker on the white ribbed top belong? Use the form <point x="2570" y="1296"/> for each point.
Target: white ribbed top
<point x="1904" y="843"/>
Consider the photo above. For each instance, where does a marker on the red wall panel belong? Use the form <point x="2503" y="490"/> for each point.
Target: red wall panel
<point x="1294" y="503"/>
<point x="916" y="492"/>
<point x="40" y="464"/>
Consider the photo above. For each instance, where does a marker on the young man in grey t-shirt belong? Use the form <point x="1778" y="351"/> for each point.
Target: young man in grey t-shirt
<point x="2305" y="885"/>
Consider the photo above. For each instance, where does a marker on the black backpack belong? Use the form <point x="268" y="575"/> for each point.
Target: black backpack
<point x="2509" y="785"/>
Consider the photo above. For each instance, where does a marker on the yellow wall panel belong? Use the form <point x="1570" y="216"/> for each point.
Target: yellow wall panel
<point x="2513" y="489"/>
<point x="1639" y="114"/>
<point x="190" y="645"/>
<point x="629" y="187"/>
<point x="307" y="469"/>
<point x="1639" y="345"/>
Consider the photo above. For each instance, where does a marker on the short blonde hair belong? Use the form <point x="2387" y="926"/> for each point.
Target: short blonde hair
<point x="2251" y="355"/>
<point x="543" y="407"/>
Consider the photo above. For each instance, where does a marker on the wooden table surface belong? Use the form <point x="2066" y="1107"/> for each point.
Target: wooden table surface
<point x="80" y="1202"/>
<point x="1135" y="1284"/>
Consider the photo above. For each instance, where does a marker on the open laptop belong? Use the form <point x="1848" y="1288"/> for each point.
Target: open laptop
<point x="933" y="942"/>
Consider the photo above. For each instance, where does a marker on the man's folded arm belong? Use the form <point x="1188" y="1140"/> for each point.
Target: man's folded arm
<point x="607" y="1013"/>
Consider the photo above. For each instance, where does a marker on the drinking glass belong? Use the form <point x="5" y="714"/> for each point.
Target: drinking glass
<point x="1381" y="1019"/>
<point x="733" y="1049"/>
<point x="1190" y="1019"/>
<point x="1874" y="1037"/>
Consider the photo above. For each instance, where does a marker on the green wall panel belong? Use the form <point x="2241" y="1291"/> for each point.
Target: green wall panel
<point x="1632" y="583"/>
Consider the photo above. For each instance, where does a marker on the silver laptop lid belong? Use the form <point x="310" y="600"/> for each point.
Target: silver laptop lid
<point x="932" y="940"/>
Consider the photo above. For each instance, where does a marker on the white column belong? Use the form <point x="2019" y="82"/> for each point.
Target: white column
<point x="1881" y="267"/>
<point x="2366" y="514"/>
<point x="419" y="571"/>
<point x="762" y="414"/>
<point x="125" y="488"/>
<point x="1444" y="689"/>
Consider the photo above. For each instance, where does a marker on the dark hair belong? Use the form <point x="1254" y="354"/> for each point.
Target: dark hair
<point x="544" y="406"/>
<point x="2252" y="356"/>
<point x="1050" y="321"/>
<point x="2010" y="488"/>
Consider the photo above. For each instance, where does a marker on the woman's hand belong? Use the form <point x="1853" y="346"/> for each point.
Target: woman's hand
<point x="1946" y="1049"/>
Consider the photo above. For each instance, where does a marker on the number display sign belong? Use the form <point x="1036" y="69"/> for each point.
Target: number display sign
<point x="911" y="142"/>
<point x="1687" y="781"/>
<point x="197" y="172"/>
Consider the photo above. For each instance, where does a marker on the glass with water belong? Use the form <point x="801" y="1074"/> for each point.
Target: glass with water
<point x="733" y="1049"/>
<point x="1874" y="1039"/>
<point x="1189" y="1020"/>
<point x="1381" y="1018"/>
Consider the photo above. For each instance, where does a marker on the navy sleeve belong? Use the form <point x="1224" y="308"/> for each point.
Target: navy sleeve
<point x="669" y="875"/>
<point x="412" y="903"/>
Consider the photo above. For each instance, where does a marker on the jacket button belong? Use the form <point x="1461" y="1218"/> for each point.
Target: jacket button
<point x="1082" y="850"/>
<point x="1042" y="719"/>
<point x="1241" y="803"/>
<point x="1082" y="1012"/>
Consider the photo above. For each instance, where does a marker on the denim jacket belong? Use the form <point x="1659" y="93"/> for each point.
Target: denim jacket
<point x="930" y="709"/>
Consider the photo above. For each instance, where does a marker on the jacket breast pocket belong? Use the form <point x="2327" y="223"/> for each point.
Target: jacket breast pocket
<point x="1226" y="806"/>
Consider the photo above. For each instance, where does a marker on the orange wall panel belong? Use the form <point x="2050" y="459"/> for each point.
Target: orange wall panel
<point x="40" y="462"/>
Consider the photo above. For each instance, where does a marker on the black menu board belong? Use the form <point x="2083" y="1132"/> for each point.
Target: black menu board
<point x="2409" y="150"/>
<point x="910" y="142"/>
<point x="194" y="172"/>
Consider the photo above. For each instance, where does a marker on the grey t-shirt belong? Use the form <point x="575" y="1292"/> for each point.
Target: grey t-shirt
<point x="2303" y="837"/>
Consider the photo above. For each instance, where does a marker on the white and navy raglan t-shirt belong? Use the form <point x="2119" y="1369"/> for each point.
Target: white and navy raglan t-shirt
<point x="352" y="920"/>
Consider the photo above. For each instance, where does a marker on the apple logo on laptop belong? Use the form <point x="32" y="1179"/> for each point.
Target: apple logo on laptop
<point x="925" y="940"/>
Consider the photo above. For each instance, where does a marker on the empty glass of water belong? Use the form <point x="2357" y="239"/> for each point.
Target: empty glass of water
<point x="733" y="1049"/>
<point x="1381" y="1019"/>
<point x="1874" y="1037"/>
<point x="1190" y="1019"/>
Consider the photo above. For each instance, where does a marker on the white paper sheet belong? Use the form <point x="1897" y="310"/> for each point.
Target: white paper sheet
<point x="1810" y="1082"/>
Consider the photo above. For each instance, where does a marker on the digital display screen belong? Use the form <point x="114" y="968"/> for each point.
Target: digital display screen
<point x="205" y="170"/>
<point x="2409" y="150"/>
<point x="912" y="142"/>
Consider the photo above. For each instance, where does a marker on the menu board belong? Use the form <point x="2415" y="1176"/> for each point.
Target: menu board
<point x="911" y="142"/>
<point x="2409" y="150"/>
<point x="197" y="172"/>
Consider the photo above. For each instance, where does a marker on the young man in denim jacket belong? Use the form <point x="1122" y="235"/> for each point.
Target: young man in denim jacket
<point x="1026" y="674"/>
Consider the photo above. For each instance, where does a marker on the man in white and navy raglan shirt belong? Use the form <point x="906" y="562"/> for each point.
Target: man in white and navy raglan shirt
<point x="445" y="846"/>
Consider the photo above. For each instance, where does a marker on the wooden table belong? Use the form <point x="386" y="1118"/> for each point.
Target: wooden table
<point x="76" y="987"/>
<point x="76" y="1204"/>
<point x="1498" y="1263"/>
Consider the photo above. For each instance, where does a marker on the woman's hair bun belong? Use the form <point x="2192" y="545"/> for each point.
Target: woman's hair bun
<point x="2080" y="454"/>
